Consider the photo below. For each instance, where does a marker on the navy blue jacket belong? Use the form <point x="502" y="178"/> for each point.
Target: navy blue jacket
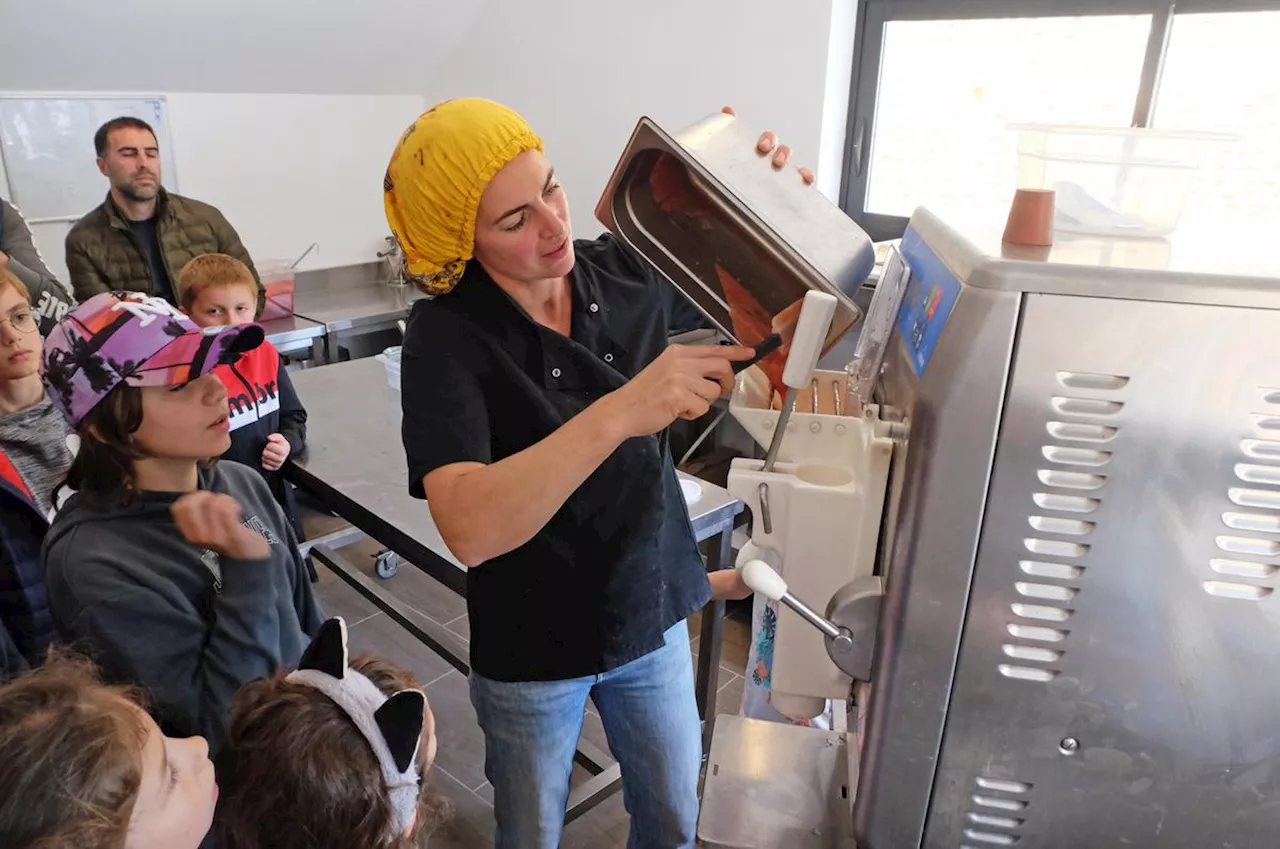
<point x="26" y="623"/>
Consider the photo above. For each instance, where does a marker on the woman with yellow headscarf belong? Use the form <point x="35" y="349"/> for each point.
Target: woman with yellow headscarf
<point x="537" y="390"/>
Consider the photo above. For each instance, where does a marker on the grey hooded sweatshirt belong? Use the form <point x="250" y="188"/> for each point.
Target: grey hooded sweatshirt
<point x="189" y="626"/>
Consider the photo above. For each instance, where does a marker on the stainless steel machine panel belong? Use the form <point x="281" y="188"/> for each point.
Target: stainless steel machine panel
<point x="938" y="491"/>
<point x="1118" y="681"/>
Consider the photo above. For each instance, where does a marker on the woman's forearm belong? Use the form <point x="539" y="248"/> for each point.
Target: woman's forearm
<point x="483" y="511"/>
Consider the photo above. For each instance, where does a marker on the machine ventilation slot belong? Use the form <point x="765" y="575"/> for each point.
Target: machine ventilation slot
<point x="990" y="838"/>
<point x="1260" y="449"/>
<point x="1058" y="525"/>
<point x="1269" y="396"/>
<point x="1096" y="382"/>
<point x="1243" y="568"/>
<point x="1047" y="592"/>
<point x="1033" y="654"/>
<point x="1039" y="611"/>
<point x="1054" y="571"/>
<point x="996" y="803"/>
<point x="1250" y="473"/>
<point x="1065" y="503"/>
<point x="993" y="821"/>
<point x="1055" y="547"/>
<point x="1071" y="480"/>
<point x="1267" y="424"/>
<point x="1242" y="592"/>
<point x="1000" y="806"/>
<point x="1076" y="456"/>
<point x="1035" y="632"/>
<point x="1027" y="673"/>
<point x="1004" y="785"/>
<point x="1085" y="406"/>
<point x="1249" y="545"/>
<point x="1263" y="498"/>
<point x="1078" y="432"/>
<point x="1263" y="523"/>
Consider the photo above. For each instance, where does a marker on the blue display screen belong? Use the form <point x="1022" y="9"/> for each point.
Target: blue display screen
<point x="931" y="294"/>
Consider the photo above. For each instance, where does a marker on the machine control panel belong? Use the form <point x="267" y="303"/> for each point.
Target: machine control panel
<point x="931" y="294"/>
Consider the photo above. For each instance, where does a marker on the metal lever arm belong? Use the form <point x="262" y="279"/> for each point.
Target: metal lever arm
<point x="855" y="609"/>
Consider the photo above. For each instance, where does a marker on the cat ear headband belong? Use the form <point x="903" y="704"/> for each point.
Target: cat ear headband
<point x="391" y="724"/>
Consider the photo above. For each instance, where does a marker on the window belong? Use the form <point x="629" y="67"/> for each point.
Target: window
<point x="938" y="84"/>
<point x="1222" y="72"/>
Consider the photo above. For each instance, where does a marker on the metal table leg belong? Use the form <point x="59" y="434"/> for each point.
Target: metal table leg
<point x="721" y="550"/>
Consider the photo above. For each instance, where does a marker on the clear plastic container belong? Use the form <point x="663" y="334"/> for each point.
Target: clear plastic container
<point x="277" y="279"/>
<point x="390" y="359"/>
<point x="1113" y="181"/>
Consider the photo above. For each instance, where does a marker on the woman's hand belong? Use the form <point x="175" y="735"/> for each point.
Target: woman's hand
<point x="682" y="383"/>
<point x="768" y="144"/>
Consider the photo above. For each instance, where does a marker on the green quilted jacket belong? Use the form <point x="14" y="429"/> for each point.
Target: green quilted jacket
<point x="103" y="255"/>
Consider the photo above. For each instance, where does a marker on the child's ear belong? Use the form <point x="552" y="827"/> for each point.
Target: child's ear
<point x="328" y="650"/>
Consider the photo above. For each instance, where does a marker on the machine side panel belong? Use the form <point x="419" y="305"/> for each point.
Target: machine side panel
<point x="1118" y="680"/>
<point x="937" y="495"/>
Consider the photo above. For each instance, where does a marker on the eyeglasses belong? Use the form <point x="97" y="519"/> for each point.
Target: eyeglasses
<point x="23" y="322"/>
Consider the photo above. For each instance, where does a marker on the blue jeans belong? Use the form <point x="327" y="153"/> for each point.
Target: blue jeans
<point x="531" y="730"/>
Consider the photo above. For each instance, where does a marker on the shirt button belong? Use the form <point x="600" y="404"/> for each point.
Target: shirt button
<point x="594" y="308"/>
<point x="608" y="358"/>
<point x="555" y="372"/>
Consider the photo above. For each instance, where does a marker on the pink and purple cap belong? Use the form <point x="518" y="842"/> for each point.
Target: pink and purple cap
<point x="135" y="339"/>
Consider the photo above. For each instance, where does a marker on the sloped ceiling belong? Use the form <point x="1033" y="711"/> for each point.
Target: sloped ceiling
<point x="265" y="46"/>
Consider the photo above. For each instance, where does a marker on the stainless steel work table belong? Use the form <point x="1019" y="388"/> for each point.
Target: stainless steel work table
<point x="292" y="333"/>
<point x="346" y="311"/>
<point x="355" y="466"/>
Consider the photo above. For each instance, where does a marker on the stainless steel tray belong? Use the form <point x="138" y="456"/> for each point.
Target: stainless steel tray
<point x="709" y="211"/>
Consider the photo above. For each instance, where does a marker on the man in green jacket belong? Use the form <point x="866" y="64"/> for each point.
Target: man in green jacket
<point x="141" y="236"/>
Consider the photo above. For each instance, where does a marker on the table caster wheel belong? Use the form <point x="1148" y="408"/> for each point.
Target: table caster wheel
<point x="386" y="564"/>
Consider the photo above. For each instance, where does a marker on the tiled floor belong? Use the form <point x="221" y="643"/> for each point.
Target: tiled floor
<point x="459" y="769"/>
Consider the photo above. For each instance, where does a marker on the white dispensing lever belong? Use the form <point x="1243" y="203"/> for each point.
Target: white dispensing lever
<point x="762" y="579"/>
<point x="816" y="313"/>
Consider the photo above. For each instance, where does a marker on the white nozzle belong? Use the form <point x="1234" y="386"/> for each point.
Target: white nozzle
<point x="816" y="313"/>
<point x="762" y="579"/>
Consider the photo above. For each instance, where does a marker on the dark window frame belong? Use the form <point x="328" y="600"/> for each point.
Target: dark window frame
<point x="873" y="15"/>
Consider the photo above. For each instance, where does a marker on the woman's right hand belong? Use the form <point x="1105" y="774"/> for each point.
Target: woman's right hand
<point x="682" y="383"/>
<point x="215" y="521"/>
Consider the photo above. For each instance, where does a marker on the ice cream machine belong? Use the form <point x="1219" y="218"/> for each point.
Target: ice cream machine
<point x="1032" y="533"/>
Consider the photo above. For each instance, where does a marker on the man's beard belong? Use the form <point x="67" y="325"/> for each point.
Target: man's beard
<point x="136" y="195"/>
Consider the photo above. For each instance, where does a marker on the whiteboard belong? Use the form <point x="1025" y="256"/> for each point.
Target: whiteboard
<point x="47" y="146"/>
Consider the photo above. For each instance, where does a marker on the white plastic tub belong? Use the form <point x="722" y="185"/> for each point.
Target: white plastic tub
<point x="1113" y="181"/>
<point x="390" y="359"/>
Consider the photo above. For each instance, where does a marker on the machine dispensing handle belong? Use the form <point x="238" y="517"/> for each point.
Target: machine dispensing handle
<point x="816" y="311"/>
<point x="762" y="579"/>
<point x="812" y="327"/>
<point x="850" y="639"/>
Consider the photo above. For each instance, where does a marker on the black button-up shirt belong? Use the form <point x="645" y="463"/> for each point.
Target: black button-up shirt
<point x="617" y="565"/>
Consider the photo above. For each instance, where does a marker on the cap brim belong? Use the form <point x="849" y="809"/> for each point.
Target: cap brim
<point x="196" y="353"/>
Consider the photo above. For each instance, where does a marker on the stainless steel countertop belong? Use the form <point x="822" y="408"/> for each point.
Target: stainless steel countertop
<point x="291" y="332"/>
<point x="353" y="446"/>
<point x="349" y="307"/>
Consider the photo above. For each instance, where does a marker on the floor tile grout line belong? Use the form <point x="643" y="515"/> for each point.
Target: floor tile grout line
<point x="442" y="675"/>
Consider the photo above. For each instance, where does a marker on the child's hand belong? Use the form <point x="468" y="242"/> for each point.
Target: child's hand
<point x="215" y="521"/>
<point x="276" y="452"/>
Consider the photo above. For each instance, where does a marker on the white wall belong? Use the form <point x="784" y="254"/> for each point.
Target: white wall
<point x="582" y="72"/>
<point x="289" y="170"/>
<point x="263" y="46"/>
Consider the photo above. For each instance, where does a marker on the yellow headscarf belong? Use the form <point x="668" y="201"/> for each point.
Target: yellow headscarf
<point x="438" y="172"/>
